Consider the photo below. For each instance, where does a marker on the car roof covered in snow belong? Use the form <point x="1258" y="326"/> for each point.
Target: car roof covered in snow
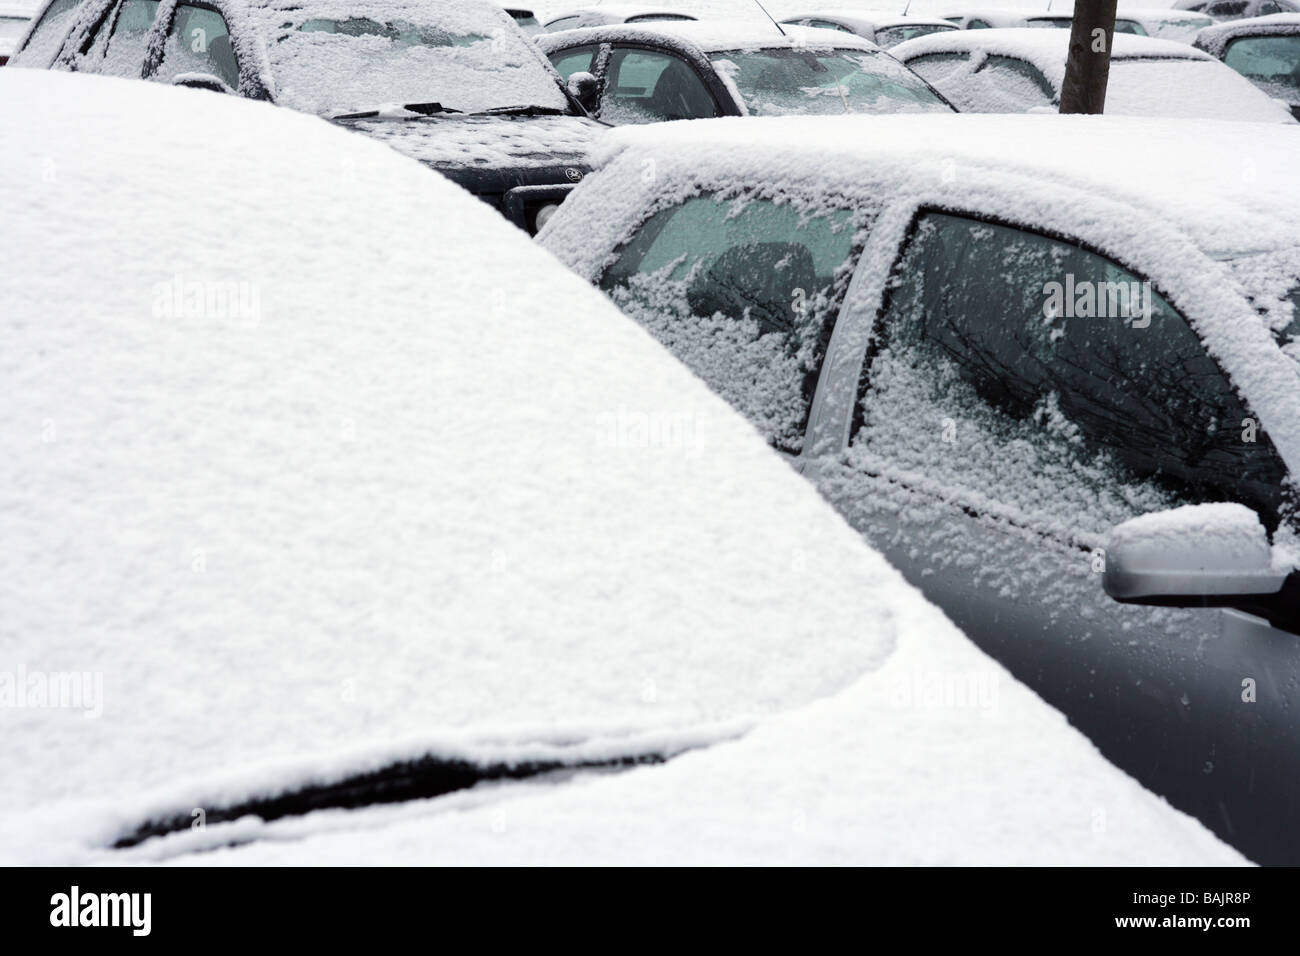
<point x="1173" y="80"/>
<point x="875" y="19"/>
<point x="1225" y="213"/>
<point x="1045" y="49"/>
<point x="299" y="486"/>
<point x="1153" y="205"/>
<point x="1215" y="39"/>
<point x="708" y="36"/>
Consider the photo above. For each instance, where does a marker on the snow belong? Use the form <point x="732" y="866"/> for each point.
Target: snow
<point x="709" y="36"/>
<point x="1148" y="77"/>
<point x="1176" y="539"/>
<point x="309" y="487"/>
<point x="519" y="142"/>
<point x="928" y="760"/>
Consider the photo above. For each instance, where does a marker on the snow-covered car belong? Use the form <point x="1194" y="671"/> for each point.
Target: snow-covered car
<point x="651" y="72"/>
<point x="312" y="522"/>
<point x="452" y="83"/>
<point x="1018" y="71"/>
<point x="1265" y="50"/>
<point x="526" y="19"/>
<point x="990" y="341"/>
<point x="13" y="24"/>
<point x="1178" y="25"/>
<point x="881" y="29"/>
<point x="1238" y="9"/>
<point x="614" y="13"/>
<point x="1001" y="19"/>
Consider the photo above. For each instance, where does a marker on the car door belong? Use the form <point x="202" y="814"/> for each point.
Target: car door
<point x="645" y="85"/>
<point x="1001" y="427"/>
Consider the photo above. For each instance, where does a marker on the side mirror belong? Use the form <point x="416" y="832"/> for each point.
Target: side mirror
<point x="1195" y="556"/>
<point x="202" y="81"/>
<point x="582" y="86"/>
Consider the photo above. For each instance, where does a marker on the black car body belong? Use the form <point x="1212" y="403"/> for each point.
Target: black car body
<point x="453" y="83"/>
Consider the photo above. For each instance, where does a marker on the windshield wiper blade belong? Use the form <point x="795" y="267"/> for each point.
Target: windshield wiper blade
<point x="521" y="111"/>
<point x="423" y="109"/>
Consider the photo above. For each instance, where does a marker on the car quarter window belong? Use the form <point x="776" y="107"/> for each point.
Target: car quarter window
<point x="118" y="46"/>
<point x="1015" y="82"/>
<point x="49" y="34"/>
<point x="198" y="41"/>
<point x="744" y="290"/>
<point x="938" y="69"/>
<point x="646" y="86"/>
<point x="1048" y="375"/>
<point x="576" y="60"/>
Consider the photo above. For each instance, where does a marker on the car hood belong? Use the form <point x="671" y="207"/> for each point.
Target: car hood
<point x="450" y="142"/>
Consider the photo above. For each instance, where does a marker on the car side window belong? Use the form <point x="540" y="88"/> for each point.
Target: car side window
<point x="978" y="25"/>
<point x="199" y="42"/>
<point x="49" y="34"/>
<point x="119" y="47"/>
<point x="1036" y="371"/>
<point x="647" y="86"/>
<point x="577" y="60"/>
<point x="1227" y="8"/>
<point x="829" y="25"/>
<point x="1012" y="84"/>
<point x="939" y="69"/>
<point x="744" y="290"/>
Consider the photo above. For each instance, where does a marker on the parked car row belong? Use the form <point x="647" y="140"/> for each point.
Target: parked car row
<point x="1096" y="483"/>
<point x="390" y="541"/>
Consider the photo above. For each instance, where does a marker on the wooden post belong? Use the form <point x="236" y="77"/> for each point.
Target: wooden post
<point x="1088" y="67"/>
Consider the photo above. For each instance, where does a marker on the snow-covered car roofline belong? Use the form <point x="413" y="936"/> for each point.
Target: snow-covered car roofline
<point x="706" y="36"/>
<point x="1045" y="49"/>
<point x="1066" y="169"/>
<point x="1215" y="39"/>
<point x="873" y="17"/>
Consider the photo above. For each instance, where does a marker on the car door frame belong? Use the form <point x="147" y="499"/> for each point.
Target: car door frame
<point x="699" y="64"/>
<point x="858" y="325"/>
<point x="245" y="41"/>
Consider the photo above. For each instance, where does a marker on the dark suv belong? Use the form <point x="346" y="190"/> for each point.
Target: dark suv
<point x="453" y="83"/>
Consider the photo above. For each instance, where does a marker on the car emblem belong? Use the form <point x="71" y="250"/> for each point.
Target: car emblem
<point x="575" y="175"/>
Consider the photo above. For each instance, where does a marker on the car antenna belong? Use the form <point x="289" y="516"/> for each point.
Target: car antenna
<point x="906" y="7"/>
<point x="770" y="17"/>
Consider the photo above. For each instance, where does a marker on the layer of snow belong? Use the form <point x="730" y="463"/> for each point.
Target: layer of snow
<point x="499" y="141"/>
<point x="709" y="36"/>
<point x="937" y="757"/>
<point x="324" y="465"/>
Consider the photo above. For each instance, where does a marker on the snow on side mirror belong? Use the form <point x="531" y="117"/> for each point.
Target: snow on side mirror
<point x="1194" y="556"/>
<point x="202" y="81"/>
<point x="582" y="87"/>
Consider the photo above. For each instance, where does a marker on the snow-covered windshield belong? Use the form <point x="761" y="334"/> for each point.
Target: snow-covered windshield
<point x="470" y="61"/>
<point x="1143" y="86"/>
<point x="892" y="36"/>
<point x="779" y="82"/>
<point x="1182" y="29"/>
<point x="1272" y="62"/>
